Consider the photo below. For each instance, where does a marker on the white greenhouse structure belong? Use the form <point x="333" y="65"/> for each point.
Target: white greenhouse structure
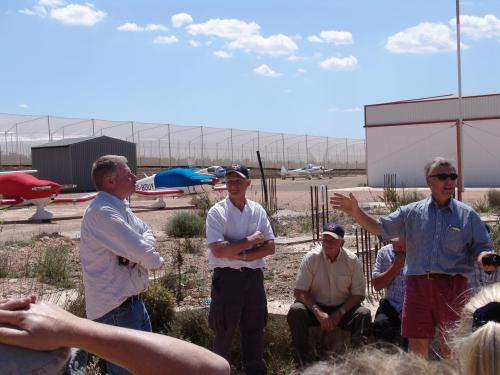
<point x="401" y="137"/>
<point x="168" y="145"/>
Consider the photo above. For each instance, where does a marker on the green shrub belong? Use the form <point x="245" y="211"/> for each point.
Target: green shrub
<point x="192" y="326"/>
<point x="481" y="205"/>
<point x="495" y="235"/>
<point x="185" y="224"/>
<point x="393" y="200"/>
<point x="494" y="198"/>
<point x="160" y="304"/>
<point x="51" y="267"/>
<point x="203" y="203"/>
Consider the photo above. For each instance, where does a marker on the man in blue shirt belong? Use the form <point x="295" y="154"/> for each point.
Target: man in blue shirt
<point x="443" y="237"/>
<point x="388" y="275"/>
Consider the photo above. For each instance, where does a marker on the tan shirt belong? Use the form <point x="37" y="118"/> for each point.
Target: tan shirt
<point x="331" y="283"/>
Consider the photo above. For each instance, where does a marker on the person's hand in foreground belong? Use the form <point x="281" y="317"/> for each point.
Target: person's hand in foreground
<point x="43" y="326"/>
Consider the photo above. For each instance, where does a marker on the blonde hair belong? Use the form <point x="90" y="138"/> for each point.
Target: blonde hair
<point x="373" y="361"/>
<point x="478" y="352"/>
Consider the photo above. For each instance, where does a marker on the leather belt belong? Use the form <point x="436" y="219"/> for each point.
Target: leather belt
<point x="435" y="276"/>
<point x="137" y="297"/>
<point x="241" y="269"/>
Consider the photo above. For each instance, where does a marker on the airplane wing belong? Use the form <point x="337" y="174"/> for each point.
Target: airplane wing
<point x="83" y="198"/>
<point x="220" y="187"/>
<point x="160" y="192"/>
<point x="10" y="201"/>
<point x="19" y="171"/>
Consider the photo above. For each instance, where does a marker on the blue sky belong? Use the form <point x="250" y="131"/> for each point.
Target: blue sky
<point x="296" y="66"/>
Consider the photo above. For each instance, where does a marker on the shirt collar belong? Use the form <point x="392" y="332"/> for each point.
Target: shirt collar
<point x="122" y="203"/>
<point x="450" y="206"/>
<point x="328" y="260"/>
<point x="233" y="207"/>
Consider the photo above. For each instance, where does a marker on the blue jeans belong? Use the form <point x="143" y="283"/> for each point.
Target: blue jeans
<point x="130" y="314"/>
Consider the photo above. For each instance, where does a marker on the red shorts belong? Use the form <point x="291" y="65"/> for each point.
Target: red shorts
<point x="430" y="303"/>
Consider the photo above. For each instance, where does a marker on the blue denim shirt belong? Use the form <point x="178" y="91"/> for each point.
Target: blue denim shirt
<point x="438" y="240"/>
<point x="395" y="291"/>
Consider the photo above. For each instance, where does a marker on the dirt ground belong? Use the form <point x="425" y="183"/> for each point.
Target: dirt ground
<point x="293" y="203"/>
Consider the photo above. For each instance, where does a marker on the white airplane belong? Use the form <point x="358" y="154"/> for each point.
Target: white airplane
<point x="308" y="171"/>
<point x="214" y="170"/>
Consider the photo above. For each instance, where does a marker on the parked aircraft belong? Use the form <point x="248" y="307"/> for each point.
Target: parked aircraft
<point x="173" y="182"/>
<point x="308" y="171"/>
<point x="17" y="188"/>
<point x="214" y="170"/>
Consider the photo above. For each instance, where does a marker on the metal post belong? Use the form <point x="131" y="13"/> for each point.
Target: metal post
<point x="169" y="148"/>
<point x="327" y="156"/>
<point x="283" y="147"/>
<point x="307" y="152"/>
<point x="48" y="125"/>
<point x="202" y="145"/>
<point x="133" y="137"/>
<point x="93" y="128"/>
<point x="232" y="161"/>
<point x="460" y="119"/>
<point x="346" y="155"/>
<point x="17" y="146"/>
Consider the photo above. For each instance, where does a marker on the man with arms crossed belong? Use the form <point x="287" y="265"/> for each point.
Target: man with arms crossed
<point x="388" y="275"/>
<point x="116" y="251"/>
<point x="443" y="237"/>
<point x="239" y="236"/>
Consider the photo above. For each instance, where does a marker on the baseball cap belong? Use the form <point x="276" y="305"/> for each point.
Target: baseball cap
<point x="239" y="169"/>
<point x="334" y="230"/>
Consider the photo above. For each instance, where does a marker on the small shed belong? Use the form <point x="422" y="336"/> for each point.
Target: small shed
<point x="69" y="161"/>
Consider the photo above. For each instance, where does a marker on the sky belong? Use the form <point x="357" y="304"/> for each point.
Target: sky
<point x="295" y="66"/>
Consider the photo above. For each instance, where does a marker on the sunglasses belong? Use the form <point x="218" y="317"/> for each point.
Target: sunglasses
<point x="445" y="176"/>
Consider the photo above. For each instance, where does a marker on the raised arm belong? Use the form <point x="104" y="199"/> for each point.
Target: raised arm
<point x="349" y="205"/>
<point x="47" y="327"/>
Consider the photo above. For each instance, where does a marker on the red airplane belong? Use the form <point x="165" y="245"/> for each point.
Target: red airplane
<point x="17" y="188"/>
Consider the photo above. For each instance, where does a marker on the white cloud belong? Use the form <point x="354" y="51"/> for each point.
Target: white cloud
<point x="339" y="63"/>
<point x="332" y="36"/>
<point x="426" y="37"/>
<point x="224" y="28"/>
<point x="478" y="27"/>
<point x="266" y="71"/>
<point x="314" y="39"/>
<point x="23" y="106"/>
<point x="222" y="54"/>
<point x="181" y="19"/>
<point x="51" y="3"/>
<point x="155" y="27"/>
<point x="301" y="71"/>
<point x="274" y="45"/>
<point x="77" y="14"/>
<point x="34" y="11"/>
<point x="194" y="43"/>
<point x="129" y="26"/>
<point x="295" y="58"/>
<point x="165" y="39"/>
<point x="336" y="37"/>
<point x="132" y="26"/>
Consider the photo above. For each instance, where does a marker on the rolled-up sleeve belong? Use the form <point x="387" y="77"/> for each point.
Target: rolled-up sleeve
<point x="480" y="239"/>
<point x="214" y="226"/>
<point x="114" y="233"/>
<point x="304" y="275"/>
<point x="393" y="225"/>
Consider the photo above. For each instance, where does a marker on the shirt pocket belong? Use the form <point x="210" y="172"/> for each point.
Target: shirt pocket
<point x="453" y="239"/>
<point x="343" y="283"/>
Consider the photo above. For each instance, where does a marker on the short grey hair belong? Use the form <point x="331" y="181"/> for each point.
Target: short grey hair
<point x="438" y="162"/>
<point x="105" y="166"/>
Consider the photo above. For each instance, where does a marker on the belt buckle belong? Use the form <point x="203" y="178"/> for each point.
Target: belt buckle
<point x="242" y="269"/>
<point x="428" y="276"/>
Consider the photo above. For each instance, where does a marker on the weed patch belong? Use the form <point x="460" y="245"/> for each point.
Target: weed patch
<point x="51" y="267"/>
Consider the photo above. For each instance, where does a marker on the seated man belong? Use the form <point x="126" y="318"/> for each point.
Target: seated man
<point x="329" y="289"/>
<point x="388" y="275"/>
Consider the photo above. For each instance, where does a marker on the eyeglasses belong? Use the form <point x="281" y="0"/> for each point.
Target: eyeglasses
<point x="445" y="176"/>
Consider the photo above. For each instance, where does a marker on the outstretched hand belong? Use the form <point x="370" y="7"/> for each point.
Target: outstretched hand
<point x="347" y="204"/>
<point x="38" y="326"/>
